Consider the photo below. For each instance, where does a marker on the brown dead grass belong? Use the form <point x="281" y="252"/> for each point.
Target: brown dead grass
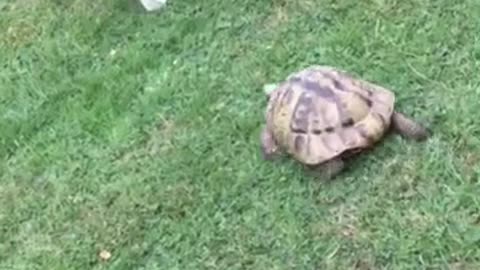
<point x="277" y="17"/>
<point x="20" y="34"/>
<point x="157" y="142"/>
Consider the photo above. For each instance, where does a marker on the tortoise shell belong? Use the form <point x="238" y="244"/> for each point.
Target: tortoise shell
<point x="322" y="112"/>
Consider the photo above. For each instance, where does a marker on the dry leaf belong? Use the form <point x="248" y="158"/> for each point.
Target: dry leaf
<point x="105" y="255"/>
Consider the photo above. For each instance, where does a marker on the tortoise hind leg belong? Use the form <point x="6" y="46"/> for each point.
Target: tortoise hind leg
<point x="329" y="169"/>
<point x="408" y="127"/>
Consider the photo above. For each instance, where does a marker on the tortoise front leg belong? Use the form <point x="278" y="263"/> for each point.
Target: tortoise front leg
<point x="269" y="147"/>
<point x="329" y="169"/>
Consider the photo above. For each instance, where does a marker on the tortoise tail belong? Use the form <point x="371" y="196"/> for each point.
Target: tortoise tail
<point x="409" y="128"/>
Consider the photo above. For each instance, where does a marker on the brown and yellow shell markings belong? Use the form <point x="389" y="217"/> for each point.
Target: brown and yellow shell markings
<point x="321" y="112"/>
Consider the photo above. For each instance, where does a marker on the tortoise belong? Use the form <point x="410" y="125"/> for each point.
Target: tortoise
<point x="322" y="115"/>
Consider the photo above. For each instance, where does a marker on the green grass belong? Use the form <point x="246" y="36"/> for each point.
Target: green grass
<point x="138" y="134"/>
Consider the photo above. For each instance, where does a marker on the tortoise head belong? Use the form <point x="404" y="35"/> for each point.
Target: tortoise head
<point x="268" y="89"/>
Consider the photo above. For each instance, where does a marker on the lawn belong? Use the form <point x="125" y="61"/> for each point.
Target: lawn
<point x="137" y="134"/>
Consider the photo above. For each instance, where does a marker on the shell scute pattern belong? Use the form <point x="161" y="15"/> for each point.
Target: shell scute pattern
<point x="321" y="112"/>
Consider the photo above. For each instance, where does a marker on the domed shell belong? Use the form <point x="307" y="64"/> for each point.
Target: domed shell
<point x="321" y="112"/>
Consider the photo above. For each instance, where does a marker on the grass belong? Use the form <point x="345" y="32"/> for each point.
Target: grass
<point x="138" y="134"/>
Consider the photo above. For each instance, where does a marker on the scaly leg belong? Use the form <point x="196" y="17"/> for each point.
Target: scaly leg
<point x="269" y="147"/>
<point x="329" y="169"/>
<point x="408" y="127"/>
